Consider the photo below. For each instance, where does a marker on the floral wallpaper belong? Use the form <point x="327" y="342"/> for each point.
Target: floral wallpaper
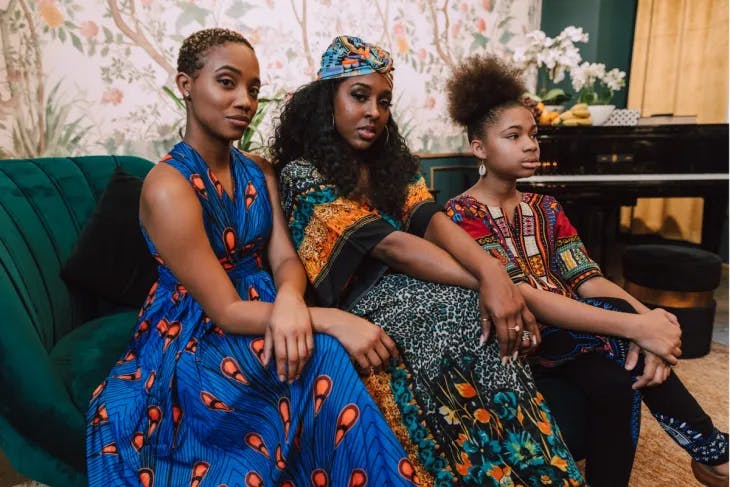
<point x="96" y="77"/>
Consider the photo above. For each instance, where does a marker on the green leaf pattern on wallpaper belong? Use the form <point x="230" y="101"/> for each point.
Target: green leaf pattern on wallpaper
<point x="82" y="77"/>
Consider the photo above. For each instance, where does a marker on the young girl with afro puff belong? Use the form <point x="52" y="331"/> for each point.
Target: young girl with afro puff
<point x="594" y="334"/>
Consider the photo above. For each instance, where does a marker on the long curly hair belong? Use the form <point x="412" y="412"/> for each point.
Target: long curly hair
<point x="479" y="89"/>
<point x="304" y="130"/>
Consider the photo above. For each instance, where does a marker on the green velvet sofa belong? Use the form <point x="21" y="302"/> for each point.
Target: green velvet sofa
<point x="56" y="345"/>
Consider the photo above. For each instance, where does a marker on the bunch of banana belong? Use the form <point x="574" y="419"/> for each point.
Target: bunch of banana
<point x="548" y="117"/>
<point x="577" y="115"/>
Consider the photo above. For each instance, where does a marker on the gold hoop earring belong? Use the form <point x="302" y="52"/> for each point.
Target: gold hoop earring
<point x="333" y="121"/>
<point x="387" y="135"/>
<point x="483" y="168"/>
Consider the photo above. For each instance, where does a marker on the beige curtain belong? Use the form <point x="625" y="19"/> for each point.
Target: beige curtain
<point x="679" y="66"/>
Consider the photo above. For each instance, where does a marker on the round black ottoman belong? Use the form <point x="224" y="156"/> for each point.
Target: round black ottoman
<point x="680" y="279"/>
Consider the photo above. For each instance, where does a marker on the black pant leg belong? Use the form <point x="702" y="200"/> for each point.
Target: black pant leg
<point x="684" y="420"/>
<point x="678" y="413"/>
<point x="612" y="418"/>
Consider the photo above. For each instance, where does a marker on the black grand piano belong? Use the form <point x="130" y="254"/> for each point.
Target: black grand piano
<point x="593" y="171"/>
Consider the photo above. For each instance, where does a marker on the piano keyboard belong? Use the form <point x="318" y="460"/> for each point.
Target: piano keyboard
<point x="608" y="178"/>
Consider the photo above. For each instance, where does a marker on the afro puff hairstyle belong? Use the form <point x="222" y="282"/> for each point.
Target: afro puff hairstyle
<point x="479" y="88"/>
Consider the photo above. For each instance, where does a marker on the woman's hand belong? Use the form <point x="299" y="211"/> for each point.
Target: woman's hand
<point x="530" y="338"/>
<point x="501" y="302"/>
<point x="655" y="371"/>
<point x="658" y="331"/>
<point x="289" y="336"/>
<point x="368" y="345"/>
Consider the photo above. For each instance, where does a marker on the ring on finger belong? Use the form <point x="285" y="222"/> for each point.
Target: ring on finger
<point x="526" y="335"/>
<point x="516" y="328"/>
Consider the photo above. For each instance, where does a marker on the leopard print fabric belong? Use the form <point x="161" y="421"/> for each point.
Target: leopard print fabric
<point x="476" y="421"/>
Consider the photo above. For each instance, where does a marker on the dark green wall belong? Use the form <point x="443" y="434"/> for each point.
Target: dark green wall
<point x="610" y="27"/>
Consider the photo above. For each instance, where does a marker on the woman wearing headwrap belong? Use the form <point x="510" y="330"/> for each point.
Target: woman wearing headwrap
<point x="373" y="242"/>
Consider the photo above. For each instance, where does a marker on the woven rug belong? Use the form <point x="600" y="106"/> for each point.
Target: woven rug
<point x="659" y="461"/>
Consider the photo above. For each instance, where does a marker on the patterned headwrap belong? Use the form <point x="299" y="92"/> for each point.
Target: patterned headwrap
<point x="351" y="56"/>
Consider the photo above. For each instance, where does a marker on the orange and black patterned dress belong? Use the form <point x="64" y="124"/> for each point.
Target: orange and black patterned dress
<point x="467" y="418"/>
<point x="190" y="405"/>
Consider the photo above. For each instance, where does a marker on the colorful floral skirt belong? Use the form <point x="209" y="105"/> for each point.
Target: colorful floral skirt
<point x="468" y="418"/>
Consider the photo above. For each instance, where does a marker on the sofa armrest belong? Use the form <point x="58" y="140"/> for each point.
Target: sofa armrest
<point x="33" y="399"/>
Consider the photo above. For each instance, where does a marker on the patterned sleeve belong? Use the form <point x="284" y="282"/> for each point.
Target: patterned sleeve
<point x="419" y="207"/>
<point x="571" y="256"/>
<point x="332" y="235"/>
<point x="473" y="219"/>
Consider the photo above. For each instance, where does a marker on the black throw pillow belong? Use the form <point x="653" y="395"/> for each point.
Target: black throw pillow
<point x="111" y="259"/>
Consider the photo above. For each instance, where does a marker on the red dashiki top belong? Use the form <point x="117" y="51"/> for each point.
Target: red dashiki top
<point x="540" y="247"/>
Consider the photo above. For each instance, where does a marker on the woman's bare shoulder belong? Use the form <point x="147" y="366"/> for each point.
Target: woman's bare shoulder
<point x="164" y="183"/>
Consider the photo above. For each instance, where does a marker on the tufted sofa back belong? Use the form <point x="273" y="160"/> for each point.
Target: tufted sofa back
<point x="44" y="205"/>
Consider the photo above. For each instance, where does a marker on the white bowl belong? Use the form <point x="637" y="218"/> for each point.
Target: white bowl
<point x="600" y="113"/>
<point x="555" y="108"/>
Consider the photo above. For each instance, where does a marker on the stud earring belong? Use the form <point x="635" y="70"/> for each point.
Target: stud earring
<point x="482" y="169"/>
<point x="187" y="96"/>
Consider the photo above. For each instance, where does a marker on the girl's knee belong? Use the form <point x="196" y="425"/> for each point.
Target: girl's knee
<point x="613" y="388"/>
<point x="603" y="380"/>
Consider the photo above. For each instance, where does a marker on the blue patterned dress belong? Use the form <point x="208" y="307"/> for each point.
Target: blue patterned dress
<point x="190" y="405"/>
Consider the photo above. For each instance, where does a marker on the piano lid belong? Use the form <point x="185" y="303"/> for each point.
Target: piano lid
<point x="644" y="149"/>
